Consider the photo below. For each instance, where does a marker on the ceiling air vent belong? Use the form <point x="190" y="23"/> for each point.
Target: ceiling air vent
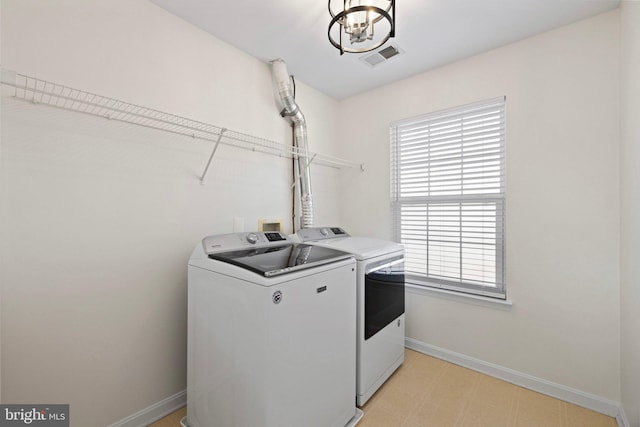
<point x="380" y="56"/>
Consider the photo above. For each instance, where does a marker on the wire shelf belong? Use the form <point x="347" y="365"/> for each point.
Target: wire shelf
<point x="52" y="94"/>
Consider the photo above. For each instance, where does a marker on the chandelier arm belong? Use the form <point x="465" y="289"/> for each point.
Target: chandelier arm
<point x="391" y="7"/>
<point x="392" y="32"/>
<point x="330" y="11"/>
<point x="341" y="47"/>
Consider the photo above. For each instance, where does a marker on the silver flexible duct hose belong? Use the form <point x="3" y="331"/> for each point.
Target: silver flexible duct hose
<point x="285" y="99"/>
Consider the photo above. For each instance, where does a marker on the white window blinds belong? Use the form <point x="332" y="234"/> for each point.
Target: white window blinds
<point x="447" y="184"/>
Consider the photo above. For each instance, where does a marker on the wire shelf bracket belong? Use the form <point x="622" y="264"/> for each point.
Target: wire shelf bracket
<point x="213" y="152"/>
<point x="52" y="94"/>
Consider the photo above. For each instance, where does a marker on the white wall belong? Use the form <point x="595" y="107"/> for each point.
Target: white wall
<point x="1" y="216"/>
<point x="630" y="182"/>
<point x="562" y="90"/>
<point x="99" y="218"/>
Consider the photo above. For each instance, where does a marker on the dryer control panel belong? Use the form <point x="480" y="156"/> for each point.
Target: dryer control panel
<point x="321" y="233"/>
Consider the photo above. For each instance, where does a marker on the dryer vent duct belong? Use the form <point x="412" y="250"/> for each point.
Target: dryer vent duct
<point x="285" y="100"/>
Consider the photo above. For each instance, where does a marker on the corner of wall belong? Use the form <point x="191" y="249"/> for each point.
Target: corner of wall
<point x="1" y="214"/>
<point x="629" y="211"/>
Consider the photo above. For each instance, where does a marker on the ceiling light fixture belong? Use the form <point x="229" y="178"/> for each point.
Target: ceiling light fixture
<point x="356" y="18"/>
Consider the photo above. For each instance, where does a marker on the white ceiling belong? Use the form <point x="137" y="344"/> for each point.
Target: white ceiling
<point x="431" y="33"/>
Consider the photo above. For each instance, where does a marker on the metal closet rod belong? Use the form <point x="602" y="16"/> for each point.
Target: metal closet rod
<point x="44" y="92"/>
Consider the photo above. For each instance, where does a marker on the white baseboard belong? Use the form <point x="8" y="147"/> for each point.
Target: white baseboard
<point x="154" y="412"/>
<point x="559" y="391"/>
<point x="596" y="403"/>
<point x="621" y="418"/>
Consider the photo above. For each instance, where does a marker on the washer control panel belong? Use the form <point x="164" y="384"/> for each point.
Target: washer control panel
<point x="239" y="241"/>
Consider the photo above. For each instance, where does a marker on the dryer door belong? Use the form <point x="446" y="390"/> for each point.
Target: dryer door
<point x="383" y="295"/>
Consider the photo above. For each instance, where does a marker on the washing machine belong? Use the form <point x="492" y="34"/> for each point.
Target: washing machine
<point x="271" y="333"/>
<point x="380" y="303"/>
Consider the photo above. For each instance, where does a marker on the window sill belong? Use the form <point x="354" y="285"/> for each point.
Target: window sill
<point x="460" y="296"/>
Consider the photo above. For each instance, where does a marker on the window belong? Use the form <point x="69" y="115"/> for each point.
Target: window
<point x="447" y="185"/>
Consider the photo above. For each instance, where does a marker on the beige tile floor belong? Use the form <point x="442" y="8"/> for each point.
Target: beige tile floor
<point x="428" y="392"/>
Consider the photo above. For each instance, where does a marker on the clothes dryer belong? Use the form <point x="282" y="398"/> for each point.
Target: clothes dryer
<point x="380" y="303"/>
